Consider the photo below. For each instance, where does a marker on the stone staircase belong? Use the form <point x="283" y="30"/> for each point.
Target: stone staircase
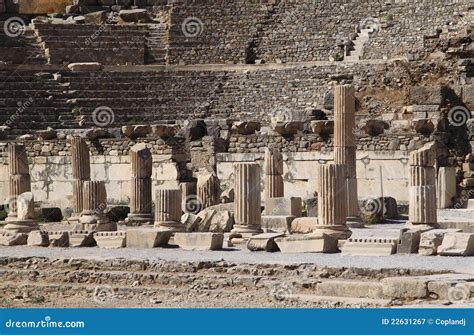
<point x="157" y="41"/>
<point x="23" y="49"/>
<point x="358" y="45"/>
<point x="35" y="281"/>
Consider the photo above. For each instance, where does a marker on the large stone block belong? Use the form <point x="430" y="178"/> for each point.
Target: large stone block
<point x="283" y="206"/>
<point x="432" y="239"/>
<point x="147" y="238"/>
<point x="409" y="242"/>
<point x="26" y="206"/>
<point x="264" y="242"/>
<point x="199" y="241"/>
<point x="59" y="239"/>
<point x="81" y="239"/>
<point x="457" y="244"/>
<point x="369" y="247"/>
<point x="38" y="238"/>
<point x="85" y="67"/>
<point x="308" y="243"/>
<point x="277" y="223"/>
<point x="12" y="239"/>
<point x="404" y="288"/>
<point x="111" y="240"/>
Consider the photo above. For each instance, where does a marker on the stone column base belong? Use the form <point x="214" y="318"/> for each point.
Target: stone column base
<point x="355" y="222"/>
<point x="341" y="232"/>
<point x="139" y="219"/>
<point x="20" y="226"/>
<point x="421" y="226"/>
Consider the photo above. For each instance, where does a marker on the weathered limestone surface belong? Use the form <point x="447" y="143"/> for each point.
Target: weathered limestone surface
<point x="111" y="240"/>
<point x="38" y="238"/>
<point x="81" y="239"/>
<point x="432" y="239"/>
<point x="94" y="206"/>
<point x="457" y="244"/>
<point x="199" y="241"/>
<point x="10" y="239"/>
<point x="168" y="209"/>
<point x="422" y="187"/>
<point x="264" y="242"/>
<point x="58" y="239"/>
<point x="345" y="142"/>
<point x="147" y="238"/>
<point x="308" y="243"/>
<point x="247" y="199"/>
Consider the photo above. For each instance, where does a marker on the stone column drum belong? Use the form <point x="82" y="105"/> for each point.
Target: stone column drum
<point x="81" y="171"/>
<point x="247" y="203"/>
<point x="19" y="183"/>
<point x="345" y="143"/>
<point x="446" y="187"/>
<point x="332" y="207"/>
<point x="273" y="179"/>
<point x="422" y="187"/>
<point x="94" y="205"/>
<point x="168" y="210"/>
<point x="141" y="185"/>
<point x="208" y="188"/>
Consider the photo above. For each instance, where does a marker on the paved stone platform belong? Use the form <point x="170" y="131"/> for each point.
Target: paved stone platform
<point x="242" y="256"/>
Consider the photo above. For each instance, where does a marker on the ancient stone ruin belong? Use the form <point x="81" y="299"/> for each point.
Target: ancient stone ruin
<point x="182" y="130"/>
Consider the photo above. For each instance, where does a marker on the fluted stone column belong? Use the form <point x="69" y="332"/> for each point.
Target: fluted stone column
<point x="94" y="205"/>
<point x="81" y="172"/>
<point x="247" y="203"/>
<point x="345" y="143"/>
<point x="332" y="204"/>
<point x="422" y="187"/>
<point x="168" y="210"/>
<point x="141" y="185"/>
<point x="19" y="183"/>
<point x="208" y="188"/>
<point x="446" y="187"/>
<point x="273" y="179"/>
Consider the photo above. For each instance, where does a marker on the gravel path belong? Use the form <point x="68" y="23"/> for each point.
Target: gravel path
<point x="457" y="264"/>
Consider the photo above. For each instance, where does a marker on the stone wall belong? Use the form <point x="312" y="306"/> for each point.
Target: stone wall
<point x="43" y="6"/>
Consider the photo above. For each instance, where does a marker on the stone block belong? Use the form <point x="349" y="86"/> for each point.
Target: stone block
<point x="26" y="206"/>
<point x="59" y="239"/>
<point x="147" y="238"/>
<point x="81" y="239"/>
<point x="369" y="247"/>
<point x="431" y="240"/>
<point x="426" y="95"/>
<point x="38" y="238"/>
<point x="12" y="239"/>
<point x="304" y="225"/>
<point x="405" y="288"/>
<point x="307" y="243"/>
<point x="199" y="241"/>
<point x="135" y="15"/>
<point x="277" y="223"/>
<point x="409" y="242"/>
<point x="191" y="221"/>
<point x="457" y="244"/>
<point x="111" y="240"/>
<point x="283" y="206"/>
<point x="52" y="214"/>
<point x="84" y="67"/>
<point x="264" y="242"/>
<point x="246" y="127"/>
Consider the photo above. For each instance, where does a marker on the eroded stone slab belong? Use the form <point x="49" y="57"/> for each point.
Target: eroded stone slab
<point x="264" y="242"/>
<point x="277" y="223"/>
<point x="308" y="243"/>
<point x="111" y="240"/>
<point x="457" y="244"/>
<point x="58" y="239"/>
<point x="283" y="207"/>
<point x="304" y="225"/>
<point x="148" y="238"/>
<point x="199" y="241"/>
